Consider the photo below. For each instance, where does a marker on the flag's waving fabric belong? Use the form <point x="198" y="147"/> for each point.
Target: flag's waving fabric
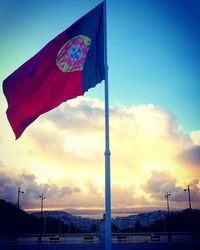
<point x="65" y="68"/>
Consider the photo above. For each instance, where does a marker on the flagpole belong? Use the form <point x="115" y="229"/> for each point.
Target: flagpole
<point x="108" y="235"/>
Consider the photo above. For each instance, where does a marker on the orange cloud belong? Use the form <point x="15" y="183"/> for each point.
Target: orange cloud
<point x="65" y="149"/>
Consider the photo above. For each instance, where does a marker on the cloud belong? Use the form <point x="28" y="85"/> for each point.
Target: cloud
<point x="159" y="183"/>
<point x="162" y="182"/>
<point x="139" y="130"/>
<point x="32" y="190"/>
<point x="191" y="156"/>
<point x="67" y="145"/>
<point x="82" y="113"/>
<point x="126" y="196"/>
<point x="195" y="135"/>
<point x="2" y="166"/>
<point x="64" y="191"/>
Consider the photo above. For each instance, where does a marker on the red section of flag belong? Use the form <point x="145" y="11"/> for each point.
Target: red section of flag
<point x="39" y="86"/>
<point x="65" y="68"/>
<point x="48" y="95"/>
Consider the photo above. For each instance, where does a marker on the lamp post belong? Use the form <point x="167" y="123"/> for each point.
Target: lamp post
<point x="167" y="197"/>
<point x="42" y="197"/>
<point x="189" y="198"/>
<point x="18" y="196"/>
<point x="168" y="222"/>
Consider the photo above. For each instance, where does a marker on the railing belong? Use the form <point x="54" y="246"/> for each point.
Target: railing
<point x="94" y="239"/>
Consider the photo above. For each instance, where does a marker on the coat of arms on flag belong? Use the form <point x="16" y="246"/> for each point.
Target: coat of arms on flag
<point x="72" y="55"/>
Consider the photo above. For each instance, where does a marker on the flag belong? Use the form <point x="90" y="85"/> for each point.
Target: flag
<point x="65" y="68"/>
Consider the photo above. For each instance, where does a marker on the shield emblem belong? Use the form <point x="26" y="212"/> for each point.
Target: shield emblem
<point x="72" y="55"/>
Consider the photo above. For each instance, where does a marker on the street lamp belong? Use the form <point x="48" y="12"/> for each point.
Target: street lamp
<point x="42" y="197"/>
<point x="167" y="197"/>
<point x="18" y="196"/>
<point x="188" y="189"/>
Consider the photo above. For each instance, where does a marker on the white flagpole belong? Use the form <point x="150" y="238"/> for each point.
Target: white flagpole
<point x="108" y="234"/>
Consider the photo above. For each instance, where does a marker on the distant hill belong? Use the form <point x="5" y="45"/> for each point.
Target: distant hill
<point x="65" y="217"/>
<point x="16" y="221"/>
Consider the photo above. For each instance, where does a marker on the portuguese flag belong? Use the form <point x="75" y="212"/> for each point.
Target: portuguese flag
<point x="65" y="68"/>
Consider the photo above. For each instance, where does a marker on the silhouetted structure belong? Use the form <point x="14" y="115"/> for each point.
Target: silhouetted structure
<point x="189" y="197"/>
<point x="18" y="196"/>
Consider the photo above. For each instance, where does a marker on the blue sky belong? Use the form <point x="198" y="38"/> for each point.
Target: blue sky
<point x="153" y="48"/>
<point x="156" y="49"/>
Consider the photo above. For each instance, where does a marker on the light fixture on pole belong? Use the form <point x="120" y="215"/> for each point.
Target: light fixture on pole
<point x="42" y="197"/>
<point x="167" y="197"/>
<point x="189" y="198"/>
<point x="18" y="196"/>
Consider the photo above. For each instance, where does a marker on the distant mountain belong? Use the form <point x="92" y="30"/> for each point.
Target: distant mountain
<point x="98" y="213"/>
<point x="14" y="220"/>
<point x="67" y="218"/>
